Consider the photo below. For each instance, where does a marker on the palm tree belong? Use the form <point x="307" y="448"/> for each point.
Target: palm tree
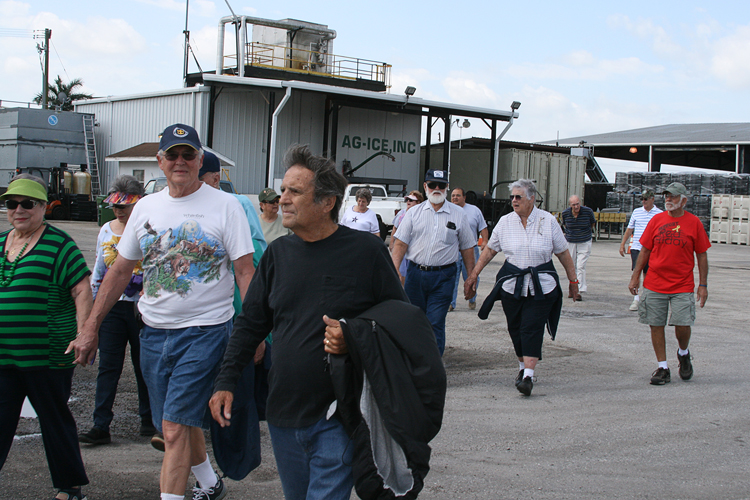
<point x="69" y="89"/>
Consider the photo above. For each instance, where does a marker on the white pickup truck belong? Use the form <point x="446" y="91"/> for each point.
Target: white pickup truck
<point x="385" y="207"/>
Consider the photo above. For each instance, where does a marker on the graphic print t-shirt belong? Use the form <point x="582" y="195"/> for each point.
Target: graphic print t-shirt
<point x="672" y="241"/>
<point x="187" y="245"/>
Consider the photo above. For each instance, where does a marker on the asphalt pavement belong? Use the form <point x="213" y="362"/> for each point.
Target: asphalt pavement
<point x="593" y="428"/>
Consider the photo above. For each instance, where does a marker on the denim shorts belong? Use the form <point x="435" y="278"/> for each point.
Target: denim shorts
<point x="654" y="306"/>
<point x="179" y="367"/>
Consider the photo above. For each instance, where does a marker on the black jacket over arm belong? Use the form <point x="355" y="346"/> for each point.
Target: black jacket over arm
<point x="393" y="346"/>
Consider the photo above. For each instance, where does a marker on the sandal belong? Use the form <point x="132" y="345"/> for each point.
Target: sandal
<point x="70" y="494"/>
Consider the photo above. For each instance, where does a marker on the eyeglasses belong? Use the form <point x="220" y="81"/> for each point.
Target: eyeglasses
<point x="187" y="156"/>
<point x="25" y="204"/>
<point x="516" y="197"/>
<point x="409" y="200"/>
<point x="436" y="185"/>
<point x="272" y="202"/>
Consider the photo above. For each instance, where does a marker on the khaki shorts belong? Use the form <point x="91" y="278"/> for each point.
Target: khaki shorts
<point x="653" y="308"/>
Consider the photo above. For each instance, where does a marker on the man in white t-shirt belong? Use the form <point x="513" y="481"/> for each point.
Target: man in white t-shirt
<point x="637" y="224"/>
<point x="188" y="236"/>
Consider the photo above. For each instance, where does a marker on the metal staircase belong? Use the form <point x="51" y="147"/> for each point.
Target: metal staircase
<point x="93" y="166"/>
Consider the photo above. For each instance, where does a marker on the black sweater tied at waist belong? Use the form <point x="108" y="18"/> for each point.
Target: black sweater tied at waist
<point x="509" y="271"/>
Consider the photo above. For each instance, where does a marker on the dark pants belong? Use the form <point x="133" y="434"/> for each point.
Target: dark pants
<point x="432" y="291"/>
<point x="634" y="258"/>
<point x="119" y="327"/>
<point x="527" y="318"/>
<point x="48" y="390"/>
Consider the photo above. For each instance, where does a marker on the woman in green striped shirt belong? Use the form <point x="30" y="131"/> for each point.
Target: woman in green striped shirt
<point x="44" y="284"/>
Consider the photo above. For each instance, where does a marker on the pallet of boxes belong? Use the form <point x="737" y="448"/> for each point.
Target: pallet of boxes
<point x="730" y="219"/>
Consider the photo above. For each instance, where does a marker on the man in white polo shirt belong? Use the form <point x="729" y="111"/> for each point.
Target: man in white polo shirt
<point x="433" y="236"/>
<point x="638" y="222"/>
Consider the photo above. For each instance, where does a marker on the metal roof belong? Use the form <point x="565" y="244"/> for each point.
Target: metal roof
<point x="446" y="108"/>
<point x="690" y="133"/>
<point x="719" y="146"/>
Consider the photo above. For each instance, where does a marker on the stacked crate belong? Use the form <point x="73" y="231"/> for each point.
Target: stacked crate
<point x="730" y="219"/>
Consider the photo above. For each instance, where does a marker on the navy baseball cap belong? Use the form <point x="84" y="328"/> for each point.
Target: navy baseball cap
<point x="211" y="163"/>
<point x="179" y="135"/>
<point x="436" y="176"/>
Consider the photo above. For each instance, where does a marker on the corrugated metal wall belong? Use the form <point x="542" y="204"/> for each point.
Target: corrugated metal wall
<point x="127" y="122"/>
<point x="240" y="134"/>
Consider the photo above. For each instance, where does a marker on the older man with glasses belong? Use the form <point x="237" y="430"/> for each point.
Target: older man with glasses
<point x="187" y="236"/>
<point x="638" y="221"/>
<point x="433" y="236"/>
<point x="668" y="245"/>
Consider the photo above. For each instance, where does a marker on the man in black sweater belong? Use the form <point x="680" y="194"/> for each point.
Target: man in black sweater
<point x="304" y="283"/>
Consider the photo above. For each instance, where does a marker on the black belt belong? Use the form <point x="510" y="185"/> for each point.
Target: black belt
<point x="431" y="268"/>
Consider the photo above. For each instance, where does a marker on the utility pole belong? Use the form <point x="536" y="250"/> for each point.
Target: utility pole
<point x="187" y="46"/>
<point x="45" y="84"/>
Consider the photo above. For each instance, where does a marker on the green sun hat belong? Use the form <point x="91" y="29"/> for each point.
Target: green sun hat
<point x="25" y="187"/>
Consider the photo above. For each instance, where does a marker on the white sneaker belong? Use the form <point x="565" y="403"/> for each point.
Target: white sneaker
<point x="634" y="305"/>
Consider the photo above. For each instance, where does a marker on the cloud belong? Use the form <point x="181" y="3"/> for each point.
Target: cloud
<point x="645" y="29"/>
<point x="466" y="90"/>
<point x="731" y="59"/>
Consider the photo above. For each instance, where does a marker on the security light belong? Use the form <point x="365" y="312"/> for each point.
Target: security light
<point x="515" y="105"/>
<point x="410" y="90"/>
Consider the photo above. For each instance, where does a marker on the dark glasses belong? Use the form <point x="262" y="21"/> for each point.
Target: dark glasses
<point x="516" y="197"/>
<point x="120" y="207"/>
<point x="436" y="185"/>
<point x="25" y="204"/>
<point x="185" y="156"/>
<point x="272" y="202"/>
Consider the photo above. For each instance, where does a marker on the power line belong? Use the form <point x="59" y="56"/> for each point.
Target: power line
<point x="17" y="33"/>
<point x="59" y="59"/>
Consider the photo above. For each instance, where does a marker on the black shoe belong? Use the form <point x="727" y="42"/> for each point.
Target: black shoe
<point x="519" y="377"/>
<point x="661" y="376"/>
<point x="69" y="494"/>
<point x="147" y="429"/>
<point x="95" y="436"/>
<point x="216" y="492"/>
<point x="686" y="367"/>
<point x="525" y="386"/>
<point x="157" y="441"/>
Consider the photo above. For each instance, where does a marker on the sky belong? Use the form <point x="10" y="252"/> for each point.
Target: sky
<point x="578" y="68"/>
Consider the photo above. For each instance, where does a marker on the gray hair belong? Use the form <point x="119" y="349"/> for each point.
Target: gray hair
<point x="527" y="185"/>
<point x="31" y="178"/>
<point x="126" y="184"/>
<point x="363" y="193"/>
<point x="327" y="181"/>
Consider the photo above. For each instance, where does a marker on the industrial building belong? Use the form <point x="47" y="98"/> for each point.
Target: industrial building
<point x="285" y="86"/>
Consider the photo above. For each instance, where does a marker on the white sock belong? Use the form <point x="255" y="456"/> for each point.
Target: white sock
<point x="663" y="364"/>
<point x="528" y="372"/>
<point x="170" y="496"/>
<point x="205" y="474"/>
<point x="521" y="365"/>
<point x="681" y="352"/>
<point x="637" y="298"/>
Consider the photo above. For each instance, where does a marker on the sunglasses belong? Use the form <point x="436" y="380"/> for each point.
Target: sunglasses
<point x="25" y="204"/>
<point x="120" y="207"/>
<point x="409" y="200"/>
<point x="516" y="197"/>
<point x="436" y="185"/>
<point x="272" y="202"/>
<point x="185" y="156"/>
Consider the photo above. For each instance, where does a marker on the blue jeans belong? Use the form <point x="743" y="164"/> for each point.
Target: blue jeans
<point x="462" y="271"/>
<point x="179" y="366"/>
<point x="119" y="328"/>
<point x="314" y="462"/>
<point x="431" y="292"/>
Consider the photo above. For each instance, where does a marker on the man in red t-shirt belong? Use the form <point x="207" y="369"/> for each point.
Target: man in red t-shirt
<point x="669" y="241"/>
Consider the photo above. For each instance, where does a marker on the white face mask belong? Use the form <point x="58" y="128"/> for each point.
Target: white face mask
<point x="437" y="197"/>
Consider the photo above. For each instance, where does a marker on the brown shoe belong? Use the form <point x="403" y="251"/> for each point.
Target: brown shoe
<point x="579" y="298"/>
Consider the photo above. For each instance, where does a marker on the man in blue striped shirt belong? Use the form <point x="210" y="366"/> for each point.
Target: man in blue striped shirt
<point x="433" y="236"/>
<point x="578" y="223"/>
